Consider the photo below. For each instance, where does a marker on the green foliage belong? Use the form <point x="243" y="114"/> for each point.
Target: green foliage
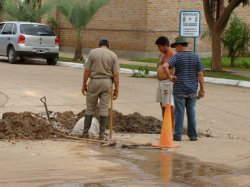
<point x="2" y="2"/>
<point x="240" y="63"/>
<point x="244" y="2"/>
<point x="67" y="59"/>
<point x="146" y="70"/>
<point x="246" y="64"/>
<point x="225" y="75"/>
<point x="142" y="72"/>
<point x="149" y="60"/>
<point x="52" y="23"/>
<point x="25" y="10"/>
<point x="79" y="14"/>
<point x="206" y="36"/>
<point x="236" y="38"/>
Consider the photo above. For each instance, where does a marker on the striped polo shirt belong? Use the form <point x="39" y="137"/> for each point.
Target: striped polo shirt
<point x="187" y="65"/>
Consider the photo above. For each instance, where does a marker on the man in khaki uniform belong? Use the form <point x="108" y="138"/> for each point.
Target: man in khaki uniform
<point x="103" y="70"/>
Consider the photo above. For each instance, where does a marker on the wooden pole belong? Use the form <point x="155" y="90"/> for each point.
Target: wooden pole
<point x="111" y="113"/>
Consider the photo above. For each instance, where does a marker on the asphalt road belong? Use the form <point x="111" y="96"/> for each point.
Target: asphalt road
<point x="224" y="112"/>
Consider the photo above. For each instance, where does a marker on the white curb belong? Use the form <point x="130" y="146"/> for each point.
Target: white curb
<point x="152" y="73"/>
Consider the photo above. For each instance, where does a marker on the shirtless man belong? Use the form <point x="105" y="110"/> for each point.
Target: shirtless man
<point x="165" y="87"/>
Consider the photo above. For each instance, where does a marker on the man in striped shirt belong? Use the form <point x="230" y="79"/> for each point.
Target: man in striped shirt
<point x="188" y="72"/>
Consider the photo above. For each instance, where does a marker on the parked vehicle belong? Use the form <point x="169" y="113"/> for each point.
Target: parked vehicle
<point x="27" y="39"/>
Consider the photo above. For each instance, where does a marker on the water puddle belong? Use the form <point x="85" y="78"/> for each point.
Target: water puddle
<point x="162" y="168"/>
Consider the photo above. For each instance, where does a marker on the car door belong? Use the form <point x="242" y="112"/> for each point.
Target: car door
<point x="1" y="39"/>
<point x="7" y="37"/>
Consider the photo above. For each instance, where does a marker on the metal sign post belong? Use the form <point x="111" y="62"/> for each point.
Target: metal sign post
<point x="190" y="24"/>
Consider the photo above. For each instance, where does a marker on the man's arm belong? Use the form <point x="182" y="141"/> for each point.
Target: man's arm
<point x="84" y="82"/>
<point x="161" y="56"/>
<point x="167" y="71"/>
<point x="201" y="92"/>
<point x="116" y="83"/>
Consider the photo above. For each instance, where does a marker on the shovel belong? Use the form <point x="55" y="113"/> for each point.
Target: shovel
<point x="43" y="100"/>
<point x="111" y="113"/>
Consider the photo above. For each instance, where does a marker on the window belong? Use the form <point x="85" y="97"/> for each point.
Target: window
<point x="7" y="28"/>
<point x="1" y="26"/>
<point x="37" y="30"/>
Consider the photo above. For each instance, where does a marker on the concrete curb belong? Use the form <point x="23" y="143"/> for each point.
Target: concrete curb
<point x="152" y="73"/>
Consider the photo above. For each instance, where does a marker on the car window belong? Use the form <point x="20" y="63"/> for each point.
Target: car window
<point x="37" y="30"/>
<point x="7" y="28"/>
<point x="1" y="26"/>
<point x="14" y="29"/>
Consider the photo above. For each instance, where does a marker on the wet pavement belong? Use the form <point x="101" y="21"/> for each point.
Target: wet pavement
<point x="161" y="168"/>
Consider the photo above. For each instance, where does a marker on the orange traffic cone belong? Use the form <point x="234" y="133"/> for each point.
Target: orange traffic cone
<point x="166" y="138"/>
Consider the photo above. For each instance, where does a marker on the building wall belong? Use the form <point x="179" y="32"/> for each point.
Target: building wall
<point x="132" y="26"/>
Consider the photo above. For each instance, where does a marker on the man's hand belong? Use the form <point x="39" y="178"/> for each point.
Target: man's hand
<point x="173" y="78"/>
<point x="201" y="92"/>
<point x="84" y="89"/>
<point x="115" y="95"/>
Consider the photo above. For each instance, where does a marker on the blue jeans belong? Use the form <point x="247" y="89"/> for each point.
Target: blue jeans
<point x="181" y="102"/>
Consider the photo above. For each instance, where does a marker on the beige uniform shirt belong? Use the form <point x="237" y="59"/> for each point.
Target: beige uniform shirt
<point x="102" y="63"/>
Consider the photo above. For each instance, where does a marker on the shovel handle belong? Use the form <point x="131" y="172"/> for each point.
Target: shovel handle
<point x="111" y="112"/>
<point x="43" y="99"/>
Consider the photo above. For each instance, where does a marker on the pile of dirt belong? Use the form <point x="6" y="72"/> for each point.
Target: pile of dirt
<point x="28" y="125"/>
<point x="135" y="123"/>
<point x="24" y="125"/>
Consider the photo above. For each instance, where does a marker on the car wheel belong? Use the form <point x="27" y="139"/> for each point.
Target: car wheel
<point x="51" y="61"/>
<point x="12" y="57"/>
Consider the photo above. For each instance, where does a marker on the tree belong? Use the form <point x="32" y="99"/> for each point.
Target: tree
<point x="236" y="38"/>
<point x="31" y="10"/>
<point x="217" y="17"/>
<point x="79" y="14"/>
<point x="1" y="7"/>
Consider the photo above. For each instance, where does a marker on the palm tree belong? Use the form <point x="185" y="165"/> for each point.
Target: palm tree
<point x="79" y="14"/>
<point x="31" y="10"/>
<point x="1" y="7"/>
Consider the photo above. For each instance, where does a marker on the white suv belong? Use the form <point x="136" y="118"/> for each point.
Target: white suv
<point x="27" y="39"/>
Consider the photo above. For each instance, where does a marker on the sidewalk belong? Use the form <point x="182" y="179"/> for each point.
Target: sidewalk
<point x="244" y="73"/>
<point x="121" y="60"/>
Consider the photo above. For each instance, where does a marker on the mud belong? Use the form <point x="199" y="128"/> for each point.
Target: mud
<point x="28" y="125"/>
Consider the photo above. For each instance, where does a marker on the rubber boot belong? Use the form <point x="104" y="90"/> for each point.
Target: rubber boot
<point x="103" y="121"/>
<point x="87" y="124"/>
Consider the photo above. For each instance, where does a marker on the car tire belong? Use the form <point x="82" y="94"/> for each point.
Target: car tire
<point x="51" y="61"/>
<point x="12" y="57"/>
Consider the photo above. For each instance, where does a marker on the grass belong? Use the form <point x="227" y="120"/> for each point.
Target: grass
<point x="224" y="74"/>
<point x="241" y="64"/>
<point x="148" y="60"/>
<point x="136" y="67"/>
<point x="67" y="59"/>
